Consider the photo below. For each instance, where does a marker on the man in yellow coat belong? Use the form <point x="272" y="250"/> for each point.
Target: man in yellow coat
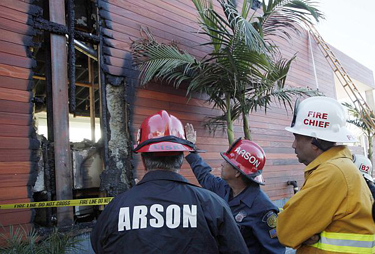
<point x="332" y="211"/>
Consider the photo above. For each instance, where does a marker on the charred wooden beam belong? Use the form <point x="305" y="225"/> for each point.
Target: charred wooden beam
<point x="48" y="79"/>
<point x="53" y="27"/>
<point x="71" y="58"/>
<point x="63" y="163"/>
<point x="92" y="99"/>
<point x="102" y="99"/>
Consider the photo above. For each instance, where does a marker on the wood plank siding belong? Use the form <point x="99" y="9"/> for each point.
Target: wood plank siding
<point x="168" y="20"/>
<point x="18" y="144"/>
<point x="177" y="21"/>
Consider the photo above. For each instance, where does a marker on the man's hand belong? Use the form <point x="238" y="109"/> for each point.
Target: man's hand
<point x="191" y="134"/>
<point x="312" y="240"/>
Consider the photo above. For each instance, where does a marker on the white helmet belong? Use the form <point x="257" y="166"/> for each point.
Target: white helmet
<point x="321" y="117"/>
<point x="364" y="165"/>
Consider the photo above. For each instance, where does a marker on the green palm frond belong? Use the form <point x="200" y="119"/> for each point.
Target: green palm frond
<point x="161" y="61"/>
<point x="243" y="27"/>
<point x="359" y="124"/>
<point x="246" y="7"/>
<point x="271" y="87"/>
<point x="358" y="118"/>
<point x="283" y="96"/>
<point x="212" y="24"/>
<point x="279" y="72"/>
<point x="282" y="16"/>
<point x="244" y="72"/>
<point x="215" y="123"/>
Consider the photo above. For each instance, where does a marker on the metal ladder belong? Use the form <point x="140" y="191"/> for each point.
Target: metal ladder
<point x="344" y="78"/>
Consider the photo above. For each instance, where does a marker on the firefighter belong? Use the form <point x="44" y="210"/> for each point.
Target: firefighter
<point x="334" y="204"/>
<point x="241" y="175"/>
<point x="164" y="213"/>
<point x="365" y="167"/>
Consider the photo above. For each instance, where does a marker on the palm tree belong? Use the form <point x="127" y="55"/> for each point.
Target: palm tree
<point x="359" y="121"/>
<point x="244" y="72"/>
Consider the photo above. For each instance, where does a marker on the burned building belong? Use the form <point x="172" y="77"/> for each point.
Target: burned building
<point x="70" y="105"/>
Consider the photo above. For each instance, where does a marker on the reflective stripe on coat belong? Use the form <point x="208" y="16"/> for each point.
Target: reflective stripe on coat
<point x="334" y="199"/>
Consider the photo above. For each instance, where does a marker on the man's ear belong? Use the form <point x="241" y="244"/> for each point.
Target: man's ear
<point x="314" y="147"/>
<point x="143" y="161"/>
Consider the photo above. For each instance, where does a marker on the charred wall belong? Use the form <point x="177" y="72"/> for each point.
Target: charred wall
<point x="18" y="143"/>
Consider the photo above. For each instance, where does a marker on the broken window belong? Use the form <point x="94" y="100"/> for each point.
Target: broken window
<point x="84" y="107"/>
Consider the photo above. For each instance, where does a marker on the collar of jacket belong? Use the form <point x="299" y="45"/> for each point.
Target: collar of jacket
<point x="247" y="196"/>
<point x="333" y="153"/>
<point x="163" y="175"/>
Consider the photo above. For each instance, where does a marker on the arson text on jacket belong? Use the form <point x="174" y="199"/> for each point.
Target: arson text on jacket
<point x="157" y="216"/>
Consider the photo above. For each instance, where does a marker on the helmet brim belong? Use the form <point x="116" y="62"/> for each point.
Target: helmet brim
<point x="257" y="178"/>
<point x="163" y="146"/>
<point x="368" y="177"/>
<point x="225" y="157"/>
<point x="344" y="136"/>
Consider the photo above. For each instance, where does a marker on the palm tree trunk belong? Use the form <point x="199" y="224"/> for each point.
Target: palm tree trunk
<point x="229" y="120"/>
<point x="370" y="144"/>
<point x="246" y="128"/>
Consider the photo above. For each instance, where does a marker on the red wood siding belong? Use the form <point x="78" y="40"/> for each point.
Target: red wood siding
<point x="17" y="137"/>
<point x="177" y="21"/>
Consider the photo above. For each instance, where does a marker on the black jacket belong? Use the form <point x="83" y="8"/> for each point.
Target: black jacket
<point x="371" y="187"/>
<point x="164" y="213"/>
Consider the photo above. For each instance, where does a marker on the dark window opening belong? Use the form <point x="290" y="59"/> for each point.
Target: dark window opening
<point x="84" y="121"/>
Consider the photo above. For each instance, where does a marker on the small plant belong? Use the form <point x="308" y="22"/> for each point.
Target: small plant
<point x="21" y="241"/>
<point x="59" y="243"/>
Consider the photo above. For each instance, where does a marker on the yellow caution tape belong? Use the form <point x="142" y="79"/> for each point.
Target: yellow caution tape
<point x="59" y="203"/>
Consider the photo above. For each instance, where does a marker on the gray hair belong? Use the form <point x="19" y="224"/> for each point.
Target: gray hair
<point x="172" y="163"/>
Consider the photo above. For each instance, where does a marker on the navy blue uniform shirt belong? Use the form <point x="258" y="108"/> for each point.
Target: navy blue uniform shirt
<point x="252" y="209"/>
<point x="371" y="187"/>
<point x="164" y="213"/>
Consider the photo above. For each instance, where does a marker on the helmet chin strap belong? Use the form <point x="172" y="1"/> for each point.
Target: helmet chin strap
<point x="316" y="143"/>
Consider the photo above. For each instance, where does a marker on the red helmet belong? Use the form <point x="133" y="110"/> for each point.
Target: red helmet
<point x="162" y="132"/>
<point x="247" y="157"/>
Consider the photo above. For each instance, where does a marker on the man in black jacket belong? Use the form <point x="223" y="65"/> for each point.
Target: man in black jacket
<point x="164" y="213"/>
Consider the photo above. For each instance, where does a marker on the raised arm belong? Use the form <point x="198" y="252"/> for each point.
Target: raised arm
<point x="202" y="170"/>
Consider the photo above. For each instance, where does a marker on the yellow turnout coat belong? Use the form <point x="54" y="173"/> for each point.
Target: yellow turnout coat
<point x="334" y="202"/>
